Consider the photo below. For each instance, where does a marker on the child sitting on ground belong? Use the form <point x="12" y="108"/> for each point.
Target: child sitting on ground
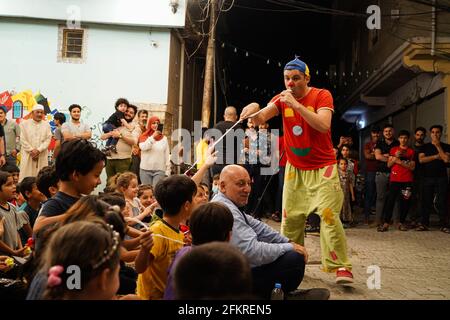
<point x="10" y="242"/>
<point x="91" y="246"/>
<point x="216" y="270"/>
<point x="209" y="222"/>
<point x="34" y="198"/>
<point x="79" y="165"/>
<point x="17" y="200"/>
<point x="146" y="199"/>
<point x="145" y="195"/>
<point x="175" y="195"/>
<point x="47" y="181"/>
<point x="127" y="184"/>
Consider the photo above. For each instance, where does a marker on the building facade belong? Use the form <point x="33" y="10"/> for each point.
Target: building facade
<point x="399" y="73"/>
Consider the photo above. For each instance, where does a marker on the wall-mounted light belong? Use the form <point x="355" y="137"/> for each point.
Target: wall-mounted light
<point x="174" y="4"/>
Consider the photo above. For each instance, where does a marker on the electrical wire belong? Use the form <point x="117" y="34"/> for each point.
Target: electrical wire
<point x="315" y="8"/>
<point x="229" y="8"/>
<point x="431" y="4"/>
<point x="269" y="10"/>
<point x="299" y="6"/>
<point x="419" y="28"/>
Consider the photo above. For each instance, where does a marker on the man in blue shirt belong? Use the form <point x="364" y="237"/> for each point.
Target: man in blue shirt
<point x="272" y="257"/>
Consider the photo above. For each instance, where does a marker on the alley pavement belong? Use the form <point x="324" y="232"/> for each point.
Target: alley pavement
<point x="411" y="265"/>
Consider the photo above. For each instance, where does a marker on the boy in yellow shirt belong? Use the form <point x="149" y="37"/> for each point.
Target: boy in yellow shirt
<point x="174" y="195"/>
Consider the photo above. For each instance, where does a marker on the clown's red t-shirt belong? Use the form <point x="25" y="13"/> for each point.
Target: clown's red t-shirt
<point x="307" y="148"/>
<point x="398" y="172"/>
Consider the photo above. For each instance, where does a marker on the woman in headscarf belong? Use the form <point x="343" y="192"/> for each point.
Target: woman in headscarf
<point x="155" y="155"/>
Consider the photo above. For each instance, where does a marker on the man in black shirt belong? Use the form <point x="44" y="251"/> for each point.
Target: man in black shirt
<point x="434" y="158"/>
<point x="224" y="156"/>
<point x="382" y="149"/>
<point x="417" y="196"/>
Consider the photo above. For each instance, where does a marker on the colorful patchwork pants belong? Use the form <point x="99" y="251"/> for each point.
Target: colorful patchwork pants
<point x="317" y="191"/>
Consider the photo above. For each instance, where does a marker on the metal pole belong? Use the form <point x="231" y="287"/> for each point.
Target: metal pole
<point x="207" y="92"/>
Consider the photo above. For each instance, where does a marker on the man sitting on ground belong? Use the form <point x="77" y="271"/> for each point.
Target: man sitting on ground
<point x="273" y="258"/>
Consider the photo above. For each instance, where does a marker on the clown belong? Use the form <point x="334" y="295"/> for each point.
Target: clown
<point x="311" y="179"/>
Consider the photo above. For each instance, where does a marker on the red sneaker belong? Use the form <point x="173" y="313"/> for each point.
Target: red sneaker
<point x="344" y="276"/>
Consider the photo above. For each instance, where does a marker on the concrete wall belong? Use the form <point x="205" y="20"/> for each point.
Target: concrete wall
<point x="404" y="97"/>
<point x="120" y="62"/>
<point x="351" y="32"/>
<point x="126" y="12"/>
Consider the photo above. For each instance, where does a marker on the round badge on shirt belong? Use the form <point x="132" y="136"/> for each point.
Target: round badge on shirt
<point x="297" y="130"/>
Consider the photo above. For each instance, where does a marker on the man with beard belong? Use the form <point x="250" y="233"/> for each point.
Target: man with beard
<point x="311" y="182"/>
<point x="74" y="128"/>
<point x="382" y="149"/>
<point x="371" y="170"/>
<point x="35" y="136"/>
<point x="435" y="157"/>
<point x="120" y="162"/>
<point x="416" y="206"/>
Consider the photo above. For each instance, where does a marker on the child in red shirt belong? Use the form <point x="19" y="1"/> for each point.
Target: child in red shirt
<point x="401" y="162"/>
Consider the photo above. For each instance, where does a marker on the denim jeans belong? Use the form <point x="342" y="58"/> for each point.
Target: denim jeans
<point x="108" y="127"/>
<point x="151" y="177"/>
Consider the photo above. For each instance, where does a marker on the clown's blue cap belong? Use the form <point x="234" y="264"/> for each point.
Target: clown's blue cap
<point x="297" y="64"/>
<point x="4" y="109"/>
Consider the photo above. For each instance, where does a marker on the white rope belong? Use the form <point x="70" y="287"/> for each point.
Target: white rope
<point x="155" y="234"/>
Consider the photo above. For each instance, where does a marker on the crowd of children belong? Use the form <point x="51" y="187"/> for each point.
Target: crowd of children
<point x="147" y="241"/>
<point x="121" y="242"/>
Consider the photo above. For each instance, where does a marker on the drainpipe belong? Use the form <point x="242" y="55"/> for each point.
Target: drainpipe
<point x="181" y="89"/>
<point x="433" y="28"/>
<point x="180" y="98"/>
<point x="215" y="88"/>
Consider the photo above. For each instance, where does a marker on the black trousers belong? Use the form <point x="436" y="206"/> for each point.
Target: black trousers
<point x="431" y="186"/>
<point x="396" y="190"/>
<point x="288" y="270"/>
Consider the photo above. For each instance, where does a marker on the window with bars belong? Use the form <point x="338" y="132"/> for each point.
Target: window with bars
<point x="72" y="43"/>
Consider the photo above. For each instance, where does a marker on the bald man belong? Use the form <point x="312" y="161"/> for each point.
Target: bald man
<point x="273" y="258"/>
<point x="230" y="114"/>
<point x="231" y="154"/>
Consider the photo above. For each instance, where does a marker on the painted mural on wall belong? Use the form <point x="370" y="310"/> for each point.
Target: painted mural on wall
<point x="19" y="105"/>
<point x="96" y="126"/>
